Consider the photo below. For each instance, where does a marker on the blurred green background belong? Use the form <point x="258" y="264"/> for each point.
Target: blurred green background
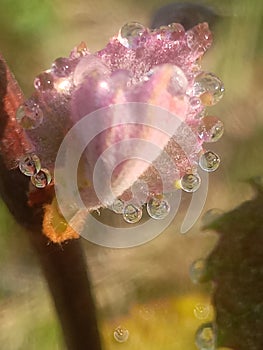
<point x="146" y="289"/>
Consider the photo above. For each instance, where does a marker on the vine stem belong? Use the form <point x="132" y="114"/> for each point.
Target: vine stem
<point x="64" y="265"/>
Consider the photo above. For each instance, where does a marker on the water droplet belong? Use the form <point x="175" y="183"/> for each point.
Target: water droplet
<point x="209" y="87"/>
<point x="158" y="207"/>
<point x="199" y="38"/>
<point x="178" y="82"/>
<point x="140" y="191"/>
<point x="29" y="165"/>
<point x="121" y="334"/>
<point x="190" y="182"/>
<point x="41" y="179"/>
<point x="130" y="34"/>
<point x="209" y="161"/>
<point x="175" y="31"/>
<point x="90" y="67"/>
<point x="117" y="206"/>
<point x="198" y="271"/>
<point x="195" y="102"/>
<point x="44" y="82"/>
<point x="172" y="32"/>
<point x="63" y="85"/>
<point x="29" y="115"/>
<point x="132" y="213"/>
<point x="211" y="129"/>
<point x="120" y="79"/>
<point x="205" y="337"/>
<point x="62" y="67"/>
<point x="202" y="311"/>
<point x="211" y="215"/>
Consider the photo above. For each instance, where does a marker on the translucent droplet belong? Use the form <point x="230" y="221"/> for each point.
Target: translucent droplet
<point x="198" y="271"/>
<point x="140" y="191"/>
<point x="62" y="67"/>
<point x="44" y="82"/>
<point x="158" y="207"/>
<point x="190" y="182"/>
<point x="41" y="179"/>
<point x="120" y="79"/>
<point x="174" y="77"/>
<point x="178" y="82"/>
<point x="209" y="161"/>
<point x="132" y="213"/>
<point x="202" y="311"/>
<point x="175" y="31"/>
<point x="172" y="32"/>
<point x="205" y="337"/>
<point x="209" y="87"/>
<point x="29" y="165"/>
<point x="199" y="38"/>
<point x="195" y="102"/>
<point x="29" y="115"/>
<point x="211" y="129"/>
<point x="211" y="215"/>
<point x="130" y="34"/>
<point x="117" y="206"/>
<point x="90" y="67"/>
<point x="121" y="334"/>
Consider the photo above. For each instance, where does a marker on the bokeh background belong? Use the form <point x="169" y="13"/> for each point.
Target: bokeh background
<point x="146" y="289"/>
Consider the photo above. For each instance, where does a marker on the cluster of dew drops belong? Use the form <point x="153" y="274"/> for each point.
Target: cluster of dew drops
<point x="57" y="80"/>
<point x="207" y="91"/>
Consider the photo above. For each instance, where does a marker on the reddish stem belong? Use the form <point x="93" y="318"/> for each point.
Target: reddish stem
<point x="64" y="266"/>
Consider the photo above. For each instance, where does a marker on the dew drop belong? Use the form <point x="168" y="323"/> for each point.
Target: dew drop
<point x="61" y="67"/>
<point x="211" y="129"/>
<point x="209" y="87"/>
<point x="190" y="182"/>
<point x="140" y="191"/>
<point x="41" y="179"/>
<point x="199" y="38"/>
<point x="202" y="311"/>
<point x="44" y="82"/>
<point x="205" y="337"/>
<point x="195" y="102"/>
<point x="178" y="82"/>
<point x="158" y="207"/>
<point x="117" y="206"/>
<point x="172" y="32"/>
<point x="130" y="34"/>
<point x="198" y="271"/>
<point x="90" y="67"/>
<point x="30" y="165"/>
<point x="29" y="115"/>
<point x="120" y="79"/>
<point x="175" y="31"/>
<point x="121" y="334"/>
<point x="132" y="213"/>
<point x="209" y="161"/>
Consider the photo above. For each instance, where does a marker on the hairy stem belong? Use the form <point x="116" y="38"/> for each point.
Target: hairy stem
<point x="64" y="266"/>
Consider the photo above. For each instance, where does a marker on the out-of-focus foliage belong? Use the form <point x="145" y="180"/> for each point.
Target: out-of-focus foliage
<point x="24" y="27"/>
